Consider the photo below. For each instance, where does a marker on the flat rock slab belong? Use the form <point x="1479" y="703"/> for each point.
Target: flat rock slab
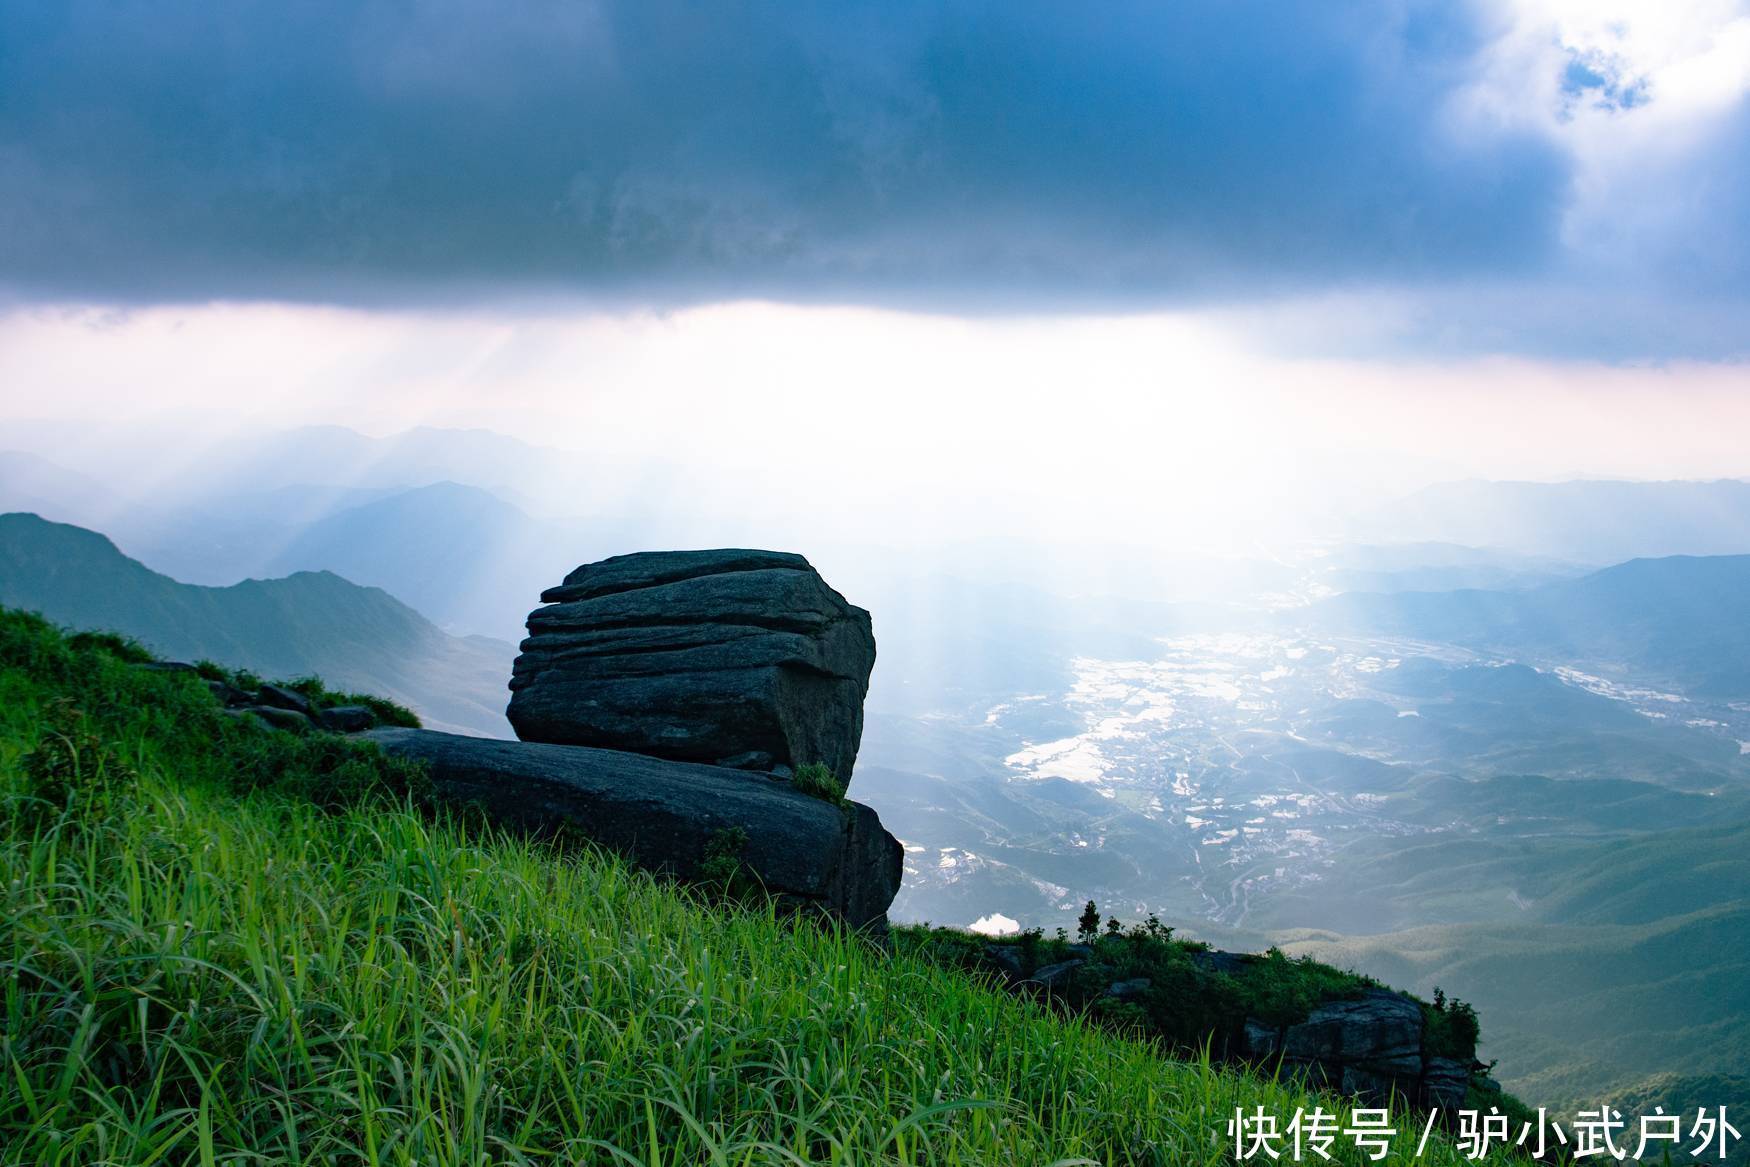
<point x="663" y="814"/>
<point x="736" y="658"/>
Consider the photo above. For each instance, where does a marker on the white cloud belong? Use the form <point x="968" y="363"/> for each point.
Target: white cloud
<point x="996" y="924"/>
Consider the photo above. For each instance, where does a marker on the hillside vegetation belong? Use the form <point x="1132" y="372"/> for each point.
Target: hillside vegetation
<point x="228" y="944"/>
<point x="357" y="638"/>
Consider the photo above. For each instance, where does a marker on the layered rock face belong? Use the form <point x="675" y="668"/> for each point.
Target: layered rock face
<point x="664" y="816"/>
<point x="735" y="658"/>
<point x="649" y="692"/>
<point x="1371" y="1047"/>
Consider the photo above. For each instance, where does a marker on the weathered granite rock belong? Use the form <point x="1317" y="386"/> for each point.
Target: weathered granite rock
<point x="228" y="694"/>
<point x="281" y="697"/>
<point x="1223" y="962"/>
<point x="662" y="814"/>
<point x="1054" y="976"/>
<point x="1369" y="1047"/>
<point x="1381" y="1029"/>
<point x="277" y="717"/>
<point x="1132" y="990"/>
<point x="347" y="718"/>
<point x="1446" y="1082"/>
<point x="1007" y="961"/>
<point x="733" y="658"/>
<point x="167" y="666"/>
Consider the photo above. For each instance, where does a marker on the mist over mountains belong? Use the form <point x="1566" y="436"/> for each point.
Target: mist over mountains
<point x="1591" y="521"/>
<point x="1509" y="757"/>
<point x="1684" y="620"/>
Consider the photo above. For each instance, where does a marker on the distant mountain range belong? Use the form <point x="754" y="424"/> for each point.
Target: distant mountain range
<point x="1620" y="968"/>
<point x="459" y="554"/>
<point x="1596" y="522"/>
<point x="359" y="638"/>
<point x="1683" y="619"/>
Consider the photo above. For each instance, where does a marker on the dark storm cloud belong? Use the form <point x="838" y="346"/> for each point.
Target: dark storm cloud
<point x="975" y="155"/>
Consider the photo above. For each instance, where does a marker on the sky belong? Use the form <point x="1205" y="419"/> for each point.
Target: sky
<point x="1242" y="252"/>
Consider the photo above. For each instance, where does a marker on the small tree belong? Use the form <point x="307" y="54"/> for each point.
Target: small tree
<point x="1088" y="925"/>
<point x="1113" y="927"/>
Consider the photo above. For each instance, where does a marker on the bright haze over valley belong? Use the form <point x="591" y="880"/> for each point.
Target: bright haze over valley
<point x="1297" y="457"/>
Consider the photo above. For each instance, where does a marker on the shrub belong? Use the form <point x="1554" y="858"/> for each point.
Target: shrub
<point x="121" y="647"/>
<point x="815" y="780"/>
<point x="1452" y="1027"/>
<point x="71" y="767"/>
<point x="721" y="869"/>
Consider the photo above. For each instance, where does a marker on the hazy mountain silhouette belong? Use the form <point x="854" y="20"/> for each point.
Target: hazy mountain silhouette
<point x="356" y="637"/>
<point x="1596" y="522"/>
<point x="459" y="554"/>
<point x="1682" y="618"/>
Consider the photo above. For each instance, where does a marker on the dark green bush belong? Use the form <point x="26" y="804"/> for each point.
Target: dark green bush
<point x="71" y="767"/>
<point x="815" y="780"/>
<point x="1452" y="1027"/>
<point x="722" y="870"/>
<point x="121" y="647"/>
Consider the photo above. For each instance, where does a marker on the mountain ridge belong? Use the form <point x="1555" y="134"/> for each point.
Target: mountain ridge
<point x="305" y="623"/>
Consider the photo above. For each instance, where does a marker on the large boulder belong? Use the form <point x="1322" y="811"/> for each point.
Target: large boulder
<point x="1369" y="1047"/>
<point x="666" y="816"/>
<point x="743" y="659"/>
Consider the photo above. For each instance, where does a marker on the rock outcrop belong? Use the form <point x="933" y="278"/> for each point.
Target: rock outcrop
<point x="647" y="693"/>
<point x="1371" y="1047"/>
<point x="1371" y="1043"/>
<point x="274" y="705"/>
<point x="665" y="815"/>
<point x="735" y="658"/>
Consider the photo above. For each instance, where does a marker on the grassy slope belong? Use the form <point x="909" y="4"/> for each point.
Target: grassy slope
<point x="203" y="968"/>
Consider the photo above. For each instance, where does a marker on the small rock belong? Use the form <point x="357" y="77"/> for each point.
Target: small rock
<point x="1055" y="976"/>
<point x="1261" y="1041"/>
<point x="281" y="697"/>
<point x="241" y="717"/>
<point x="228" y="694"/>
<point x="1007" y="960"/>
<point x="347" y="718"/>
<point x="1217" y="961"/>
<point x="167" y="666"/>
<point x="1445" y="1082"/>
<point x="1132" y="990"/>
<point x="1085" y="951"/>
<point x="277" y="717"/>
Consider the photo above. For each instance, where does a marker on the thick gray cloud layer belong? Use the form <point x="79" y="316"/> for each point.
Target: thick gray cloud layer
<point x="962" y="155"/>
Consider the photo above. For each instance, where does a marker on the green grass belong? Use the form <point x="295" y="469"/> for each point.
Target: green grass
<point x="817" y="781"/>
<point x="204" y="964"/>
